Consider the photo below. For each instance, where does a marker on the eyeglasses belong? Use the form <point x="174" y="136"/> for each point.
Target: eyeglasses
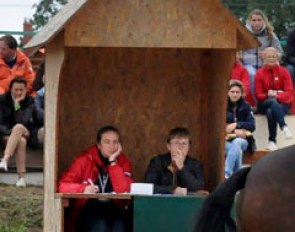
<point x="110" y="143"/>
<point x="179" y="144"/>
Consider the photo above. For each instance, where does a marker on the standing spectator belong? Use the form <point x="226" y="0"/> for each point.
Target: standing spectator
<point x="290" y="54"/>
<point x="37" y="125"/>
<point x="274" y="92"/>
<point x="102" y="168"/>
<point x="176" y="172"/>
<point x="39" y="80"/>
<point x="39" y="106"/>
<point x="37" y="129"/>
<point x="290" y="61"/>
<point x="240" y="124"/>
<point x="239" y="72"/>
<point x="16" y="109"/>
<point x="259" y="26"/>
<point x="14" y="63"/>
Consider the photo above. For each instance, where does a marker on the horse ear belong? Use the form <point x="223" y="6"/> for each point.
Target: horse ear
<point x="214" y="215"/>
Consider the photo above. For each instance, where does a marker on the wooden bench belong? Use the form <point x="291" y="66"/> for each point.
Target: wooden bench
<point x="250" y="158"/>
<point x="34" y="161"/>
<point x="261" y="132"/>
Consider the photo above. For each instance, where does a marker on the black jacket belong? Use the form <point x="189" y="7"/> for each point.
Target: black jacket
<point x="190" y="177"/>
<point x="290" y="48"/>
<point x="9" y="117"/>
<point x="244" y="118"/>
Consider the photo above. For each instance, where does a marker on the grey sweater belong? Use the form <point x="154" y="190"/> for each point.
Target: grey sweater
<point x="250" y="56"/>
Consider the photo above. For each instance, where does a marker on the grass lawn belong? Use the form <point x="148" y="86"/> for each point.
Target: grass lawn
<point x="21" y="209"/>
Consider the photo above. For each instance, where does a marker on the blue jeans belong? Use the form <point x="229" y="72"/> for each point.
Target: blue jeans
<point x="252" y="71"/>
<point x="234" y="154"/>
<point x="275" y="113"/>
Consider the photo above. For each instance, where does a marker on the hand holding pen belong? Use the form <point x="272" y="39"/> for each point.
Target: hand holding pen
<point x="91" y="188"/>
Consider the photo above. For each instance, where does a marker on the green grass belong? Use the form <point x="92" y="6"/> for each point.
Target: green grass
<point x="8" y="227"/>
<point x="21" y="209"/>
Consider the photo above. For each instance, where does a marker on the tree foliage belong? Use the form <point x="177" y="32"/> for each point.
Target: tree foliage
<point x="279" y="12"/>
<point x="44" y="11"/>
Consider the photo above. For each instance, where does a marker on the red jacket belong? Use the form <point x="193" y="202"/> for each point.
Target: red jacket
<point x="22" y="68"/>
<point x="276" y="78"/>
<point x="239" y="72"/>
<point x="75" y="179"/>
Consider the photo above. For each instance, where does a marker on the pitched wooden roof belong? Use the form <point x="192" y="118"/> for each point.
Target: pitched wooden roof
<point x="56" y="24"/>
<point x="189" y="24"/>
<point x="245" y="38"/>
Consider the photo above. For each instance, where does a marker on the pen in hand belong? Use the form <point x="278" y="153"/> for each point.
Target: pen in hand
<point x="92" y="188"/>
<point x="90" y="181"/>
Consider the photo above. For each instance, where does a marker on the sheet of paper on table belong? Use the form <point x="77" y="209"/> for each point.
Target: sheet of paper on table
<point x="142" y="188"/>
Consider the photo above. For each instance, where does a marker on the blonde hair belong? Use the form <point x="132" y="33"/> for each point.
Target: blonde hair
<point x="239" y="84"/>
<point x="268" y="26"/>
<point x="270" y="50"/>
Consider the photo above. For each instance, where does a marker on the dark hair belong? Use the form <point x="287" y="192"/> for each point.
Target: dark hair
<point x="239" y="84"/>
<point x="38" y="82"/>
<point x="105" y="129"/>
<point x="19" y="80"/>
<point x="179" y="132"/>
<point x="10" y="41"/>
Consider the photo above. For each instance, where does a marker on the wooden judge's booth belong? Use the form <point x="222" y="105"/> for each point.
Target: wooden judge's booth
<point x="144" y="67"/>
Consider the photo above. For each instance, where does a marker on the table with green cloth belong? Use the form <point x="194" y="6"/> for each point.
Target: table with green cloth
<point x="161" y="213"/>
<point x="155" y="213"/>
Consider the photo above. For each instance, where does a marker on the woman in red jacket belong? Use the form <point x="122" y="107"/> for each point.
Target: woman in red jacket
<point x="100" y="169"/>
<point x="239" y="72"/>
<point x="273" y="90"/>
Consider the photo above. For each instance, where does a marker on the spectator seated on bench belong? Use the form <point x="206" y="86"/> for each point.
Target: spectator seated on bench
<point x="240" y="124"/>
<point x="14" y="63"/>
<point x="16" y="110"/>
<point x="274" y="92"/>
<point x="37" y="125"/>
<point x="239" y="72"/>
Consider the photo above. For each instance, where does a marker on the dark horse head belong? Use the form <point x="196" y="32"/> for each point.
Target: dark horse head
<point x="266" y="204"/>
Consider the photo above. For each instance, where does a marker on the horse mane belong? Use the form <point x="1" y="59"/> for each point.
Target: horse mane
<point x="214" y="215"/>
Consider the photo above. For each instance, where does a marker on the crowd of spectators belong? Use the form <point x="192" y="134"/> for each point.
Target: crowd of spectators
<point x="265" y="85"/>
<point x="21" y="110"/>
<point x="258" y="82"/>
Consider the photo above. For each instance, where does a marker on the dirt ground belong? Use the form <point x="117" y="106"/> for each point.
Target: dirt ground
<point x="21" y="209"/>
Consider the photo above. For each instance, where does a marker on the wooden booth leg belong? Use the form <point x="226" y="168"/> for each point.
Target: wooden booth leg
<point x="60" y="205"/>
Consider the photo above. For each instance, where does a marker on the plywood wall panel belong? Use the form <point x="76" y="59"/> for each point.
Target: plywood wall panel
<point x="144" y="92"/>
<point x="216" y="69"/>
<point x="155" y="23"/>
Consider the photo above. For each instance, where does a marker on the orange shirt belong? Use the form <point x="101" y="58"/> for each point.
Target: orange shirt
<point x="22" y="68"/>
